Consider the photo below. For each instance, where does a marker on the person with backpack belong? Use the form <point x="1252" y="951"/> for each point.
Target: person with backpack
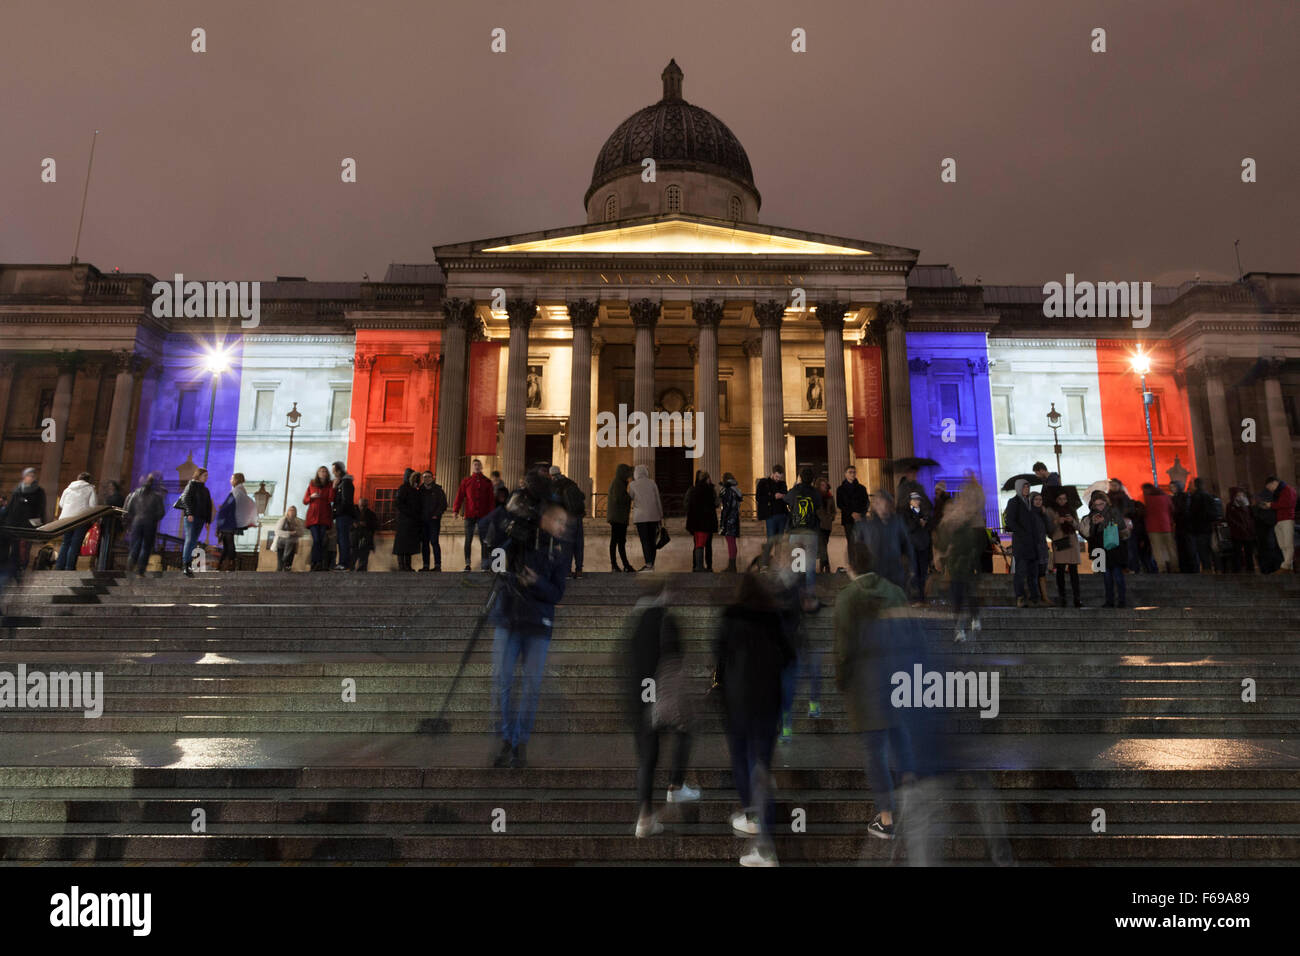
<point x="702" y="520"/>
<point x="195" y="503"/>
<point x="343" y="508"/>
<point x="729" y="521"/>
<point x="570" y="495"/>
<point x="1106" y="529"/>
<point x="78" y="498"/>
<point x="805" y="524"/>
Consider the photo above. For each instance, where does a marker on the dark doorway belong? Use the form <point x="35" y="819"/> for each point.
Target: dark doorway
<point x="537" y="448"/>
<point x="674" y="473"/>
<point x="809" y="450"/>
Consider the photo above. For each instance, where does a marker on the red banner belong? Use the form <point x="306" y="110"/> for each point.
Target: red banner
<point x="868" y="402"/>
<point x="481" y="425"/>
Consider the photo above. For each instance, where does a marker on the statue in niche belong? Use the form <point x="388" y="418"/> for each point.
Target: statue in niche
<point x="815" y="389"/>
<point x="534" y="387"/>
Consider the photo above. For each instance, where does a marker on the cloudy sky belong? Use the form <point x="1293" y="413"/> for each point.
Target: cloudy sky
<point x="225" y="164"/>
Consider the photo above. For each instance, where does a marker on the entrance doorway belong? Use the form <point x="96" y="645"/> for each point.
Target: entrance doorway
<point x="537" y="448"/>
<point x="674" y="474"/>
<point x="810" y="450"/>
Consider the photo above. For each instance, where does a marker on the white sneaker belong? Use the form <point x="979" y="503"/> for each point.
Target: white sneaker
<point x="961" y="636"/>
<point x="756" y="857"/>
<point x="741" y="823"/>
<point x="648" y="827"/>
<point x="683" y="794"/>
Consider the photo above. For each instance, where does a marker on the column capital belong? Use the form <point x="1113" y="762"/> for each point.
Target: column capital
<point x="425" y="361"/>
<point x="1271" y="367"/>
<point x="597" y="343"/>
<point x="895" y="313"/>
<point x="753" y="347"/>
<point x="769" y="314"/>
<point x="7" y="366"/>
<point x="583" y="313"/>
<point x="1209" y="365"/>
<point x="477" y="330"/>
<point x="521" y="312"/>
<point x="644" y="312"/>
<point x="693" y="349"/>
<point x="978" y="366"/>
<point x="68" y="360"/>
<point x="831" y="314"/>
<point x="365" y="361"/>
<point x="869" y="334"/>
<point x="707" y="312"/>
<point x="458" y="312"/>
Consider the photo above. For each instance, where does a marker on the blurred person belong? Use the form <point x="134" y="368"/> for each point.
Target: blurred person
<point x="826" y="519"/>
<point x="883" y="533"/>
<point x="1106" y="529"/>
<point x="1160" y="528"/>
<point x="1266" y="543"/>
<point x="1200" y="526"/>
<point x="805" y="525"/>
<point x="111" y="526"/>
<point x="144" y="509"/>
<point x="917" y="521"/>
<point x="474" y="499"/>
<point x="655" y="655"/>
<point x="363" y="535"/>
<point x="496" y="522"/>
<point x="965" y="538"/>
<point x="195" y="503"/>
<point x="343" y="510"/>
<point x="237" y="513"/>
<point x="647" y="513"/>
<point x="77" y="499"/>
<point x="1241" y="532"/>
<point x="433" y="505"/>
<point x="1063" y="529"/>
<point x="752" y="652"/>
<point x="1019" y="520"/>
<point x="1182" y="533"/>
<point x="852" y="499"/>
<point x="497" y="483"/>
<point x="288" y="532"/>
<point x="26" y="509"/>
<point x="729" y="524"/>
<point x="618" y="513"/>
<point x="568" y="493"/>
<point x="409" y="509"/>
<point x="702" y="520"/>
<point x="1283" y="505"/>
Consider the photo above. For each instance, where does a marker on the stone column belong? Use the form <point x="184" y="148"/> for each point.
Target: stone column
<point x="458" y="314"/>
<point x="582" y="316"/>
<point x="1283" y="450"/>
<point x="1195" y="390"/>
<point x="7" y="369"/>
<point x="126" y="365"/>
<point x="645" y="314"/>
<point x="52" y="459"/>
<point x="831" y="316"/>
<point x="895" y="316"/>
<point x="708" y="316"/>
<point x="769" y="315"/>
<point x="521" y="313"/>
<point x="1211" y="370"/>
<point x="597" y="345"/>
<point x="753" y="349"/>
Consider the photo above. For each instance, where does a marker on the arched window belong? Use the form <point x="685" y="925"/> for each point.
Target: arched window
<point x="673" y="199"/>
<point x="611" y="207"/>
<point x="735" y="208"/>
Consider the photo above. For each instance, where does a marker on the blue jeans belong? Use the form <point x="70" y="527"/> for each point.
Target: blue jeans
<point x="477" y="526"/>
<point x="141" y="548"/>
<point x="809" y="541"/>
<point x="881" y="745"/>
<point x="1026" y="582"/>
<point x="71" y="548"/>
<point x="776" y="525"/>
<point x="432" y="532"/>
<point x="318" y="535"/>
<point x="343" y="535"/>
<point x="1114" y="573"/>
<point x="751" y="748"/>
<point x="514" y="715"/>
<point x="193" y="530"/>
<point x="808" y="664"/>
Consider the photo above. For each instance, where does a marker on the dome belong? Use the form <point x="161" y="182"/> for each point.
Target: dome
<point x="678" y="136"/>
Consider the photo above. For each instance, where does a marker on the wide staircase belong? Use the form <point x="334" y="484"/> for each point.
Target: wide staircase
<point x="228" y="694"/>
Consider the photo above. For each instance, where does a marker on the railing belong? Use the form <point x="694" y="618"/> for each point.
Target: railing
<point x="674" y="506"/>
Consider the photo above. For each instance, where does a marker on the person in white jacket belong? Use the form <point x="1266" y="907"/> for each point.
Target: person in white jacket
<point x="647" y="512"/>
<point x="78" y="498"/>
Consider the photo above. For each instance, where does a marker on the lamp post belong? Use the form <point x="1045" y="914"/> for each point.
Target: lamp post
<point x="291" y="422"/>
<point x="1142" y="365"/>
<point x="216" y="362"/>
<point x="1054" y="423"/>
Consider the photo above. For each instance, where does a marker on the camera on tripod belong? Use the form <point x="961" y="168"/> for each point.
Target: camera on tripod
<point x="525" y="510"/>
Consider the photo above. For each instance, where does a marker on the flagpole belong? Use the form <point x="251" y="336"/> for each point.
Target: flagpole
<point x="77" y="245"/>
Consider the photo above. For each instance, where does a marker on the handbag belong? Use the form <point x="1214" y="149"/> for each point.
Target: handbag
<point x="1063" y="544"/>
<point x="1110" y="536"/>
<point x="90" y="545"/>
<point x="661" y="542"/>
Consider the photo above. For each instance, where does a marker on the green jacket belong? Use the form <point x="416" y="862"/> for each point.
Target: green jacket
<point x="618" y="507"/>
<point x="865" y="599"/>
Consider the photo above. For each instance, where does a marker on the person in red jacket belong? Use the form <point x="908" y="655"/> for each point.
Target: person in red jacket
<point x="1284" y="505"/>
<point x="319" y="499"/>
<point x="474" y="500"/>
<point x="1160" y="527"/>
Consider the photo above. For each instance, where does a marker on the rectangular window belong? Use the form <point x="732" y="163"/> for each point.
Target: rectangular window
<point x="950" y="402"/>
<point x="394" y="399"/>
<point x="187" y="407"/>
<point x="262" y="408"/>
<point x="1076" y="413"/>
<point x="340" y="406"/>
<point x="1157" y="414"/>
<point x="1002" y="421"/>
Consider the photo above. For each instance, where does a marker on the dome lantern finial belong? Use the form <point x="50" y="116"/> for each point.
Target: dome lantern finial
<point x="672" y="77"/>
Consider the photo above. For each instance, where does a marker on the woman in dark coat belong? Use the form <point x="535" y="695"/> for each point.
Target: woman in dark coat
<point x="730" y="524"/>
<point x="702" y="520"/>
<point x="618" y="512"/>
<point x="752" y="651"/>
<point x="410" y="519"/>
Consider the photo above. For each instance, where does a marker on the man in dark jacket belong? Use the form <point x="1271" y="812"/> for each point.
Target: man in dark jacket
<point x="1241" y="532"/>
<point x="363" y="535"/>
<point x="344" y="507"/>
<point x="1024" y="545"/>
<point x="26" y="509"/>
<point x="618" y="512"/>
<point x="917" y="520"/>
<point x="773" y="511"/>
<point x="852" y="500"/>
<point x="195" y="503"/>
<point x="433" y="504"/>
<point x="144" y="509"/>
<point x="885" y="536"/>
<point x="570" y="495"/>
<point x="475" y="498"/>
<point x="522" y="617"/>
<point x="1200" y="525"/>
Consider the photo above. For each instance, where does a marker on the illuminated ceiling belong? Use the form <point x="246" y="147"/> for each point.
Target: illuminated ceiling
<point x="681" y="236"/>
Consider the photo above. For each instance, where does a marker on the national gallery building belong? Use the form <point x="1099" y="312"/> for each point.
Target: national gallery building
<point x="672" y="297"/>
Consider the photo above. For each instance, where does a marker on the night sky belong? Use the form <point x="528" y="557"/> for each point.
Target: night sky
<point x="1120" y="166"/>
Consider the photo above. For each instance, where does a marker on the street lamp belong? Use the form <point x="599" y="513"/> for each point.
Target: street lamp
<point x="1142" y="364"/>
<point x="1054" y="422"/>
<point x="216" y="362"/>
<point x="291" y="422"/>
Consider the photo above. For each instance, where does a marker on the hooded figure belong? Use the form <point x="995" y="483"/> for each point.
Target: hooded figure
<point x="647" y="512"/>
<point x="410" y="516"/>
<point x="618" y="512"/>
